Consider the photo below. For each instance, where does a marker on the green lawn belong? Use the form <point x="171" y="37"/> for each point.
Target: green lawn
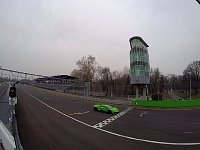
<point x="167" y="103"/>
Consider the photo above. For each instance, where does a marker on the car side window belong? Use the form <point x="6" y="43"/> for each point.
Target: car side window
<point x="104" y="107"/>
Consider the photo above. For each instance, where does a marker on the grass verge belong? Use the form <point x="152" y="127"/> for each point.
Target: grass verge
<point x="167" y="103"/>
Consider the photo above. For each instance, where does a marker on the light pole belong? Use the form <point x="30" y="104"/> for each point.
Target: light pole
<point x="158" y="81"/>
<point x="147" y="92"/>
<point x="158" y="89"/>
<point x="190" y="75"/>
<point x="190" y="88"/>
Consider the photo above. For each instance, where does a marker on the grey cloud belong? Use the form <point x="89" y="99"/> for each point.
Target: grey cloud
<point x="49" y="36"/>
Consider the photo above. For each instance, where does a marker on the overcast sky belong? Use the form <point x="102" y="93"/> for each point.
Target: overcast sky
<point x="48" y="36"/>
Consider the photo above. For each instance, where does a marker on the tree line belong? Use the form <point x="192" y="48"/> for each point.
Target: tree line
<point x="117" y="83"/>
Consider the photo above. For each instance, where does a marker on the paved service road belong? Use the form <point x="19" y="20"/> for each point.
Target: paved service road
<point x="50" y="120"/>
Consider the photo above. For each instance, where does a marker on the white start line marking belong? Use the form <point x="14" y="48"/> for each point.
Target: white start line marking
<point x="111" y="119"/>
<point x="112" y="133"/>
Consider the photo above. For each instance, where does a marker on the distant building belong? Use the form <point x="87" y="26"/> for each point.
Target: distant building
<point x="64" y="77"/>
<point x="53" y="78"/>
<point x="139" y="65"/>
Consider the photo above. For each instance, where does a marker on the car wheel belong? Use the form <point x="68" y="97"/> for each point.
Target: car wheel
<point x="95" y="108"/>
<point x="109" y="111"/>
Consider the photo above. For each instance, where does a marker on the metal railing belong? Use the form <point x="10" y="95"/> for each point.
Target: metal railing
<point x="7" y="139"/>
<point x="16" y="134"/>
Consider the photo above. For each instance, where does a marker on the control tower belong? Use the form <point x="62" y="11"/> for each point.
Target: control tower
<point x="139" y="66"/>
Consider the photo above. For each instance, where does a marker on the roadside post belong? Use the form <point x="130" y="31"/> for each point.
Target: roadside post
<point x="12" y="119"/>
<point x="12" y="101"/>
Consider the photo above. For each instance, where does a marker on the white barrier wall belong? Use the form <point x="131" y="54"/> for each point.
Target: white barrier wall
<point x="6" y="138"/>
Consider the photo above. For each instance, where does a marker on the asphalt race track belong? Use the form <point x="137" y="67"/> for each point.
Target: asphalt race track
<point x="50" y="120"/>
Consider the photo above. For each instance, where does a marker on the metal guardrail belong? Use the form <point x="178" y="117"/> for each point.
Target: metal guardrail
<point x="119" y="102"/>
<point x="88" y="98"/>
<point x="16" y="134"/>
<point x="174" y="96"/>
<point x="7" y="139"/>
<point x="66" y="88"/>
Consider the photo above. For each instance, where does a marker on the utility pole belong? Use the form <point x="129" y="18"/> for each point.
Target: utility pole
<point x="190" y="75"/>
<point x="190" y="88"/>
<point x="158" y="88"/>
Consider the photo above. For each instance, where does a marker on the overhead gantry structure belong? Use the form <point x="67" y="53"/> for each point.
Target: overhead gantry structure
<point x="73" y="86"/>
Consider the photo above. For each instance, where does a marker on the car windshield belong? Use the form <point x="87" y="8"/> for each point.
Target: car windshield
<point x="108" y="106"/>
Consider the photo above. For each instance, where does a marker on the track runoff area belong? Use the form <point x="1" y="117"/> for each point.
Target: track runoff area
<point x="52" y="120"/>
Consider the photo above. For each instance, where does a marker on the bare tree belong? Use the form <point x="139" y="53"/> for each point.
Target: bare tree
<point x="87" y="68"/>
<point x="193" y="72"/>
<point x="173" y="81"/>
<point x="120" y="82"/>
<point x="155" y="80"/>
<point x="105" y="78"/>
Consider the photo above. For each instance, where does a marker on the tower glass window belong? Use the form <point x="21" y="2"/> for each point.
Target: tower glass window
<point x="139" y="61"/>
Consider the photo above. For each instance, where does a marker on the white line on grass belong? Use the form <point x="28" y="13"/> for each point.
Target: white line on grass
<point x="112" y="133"/>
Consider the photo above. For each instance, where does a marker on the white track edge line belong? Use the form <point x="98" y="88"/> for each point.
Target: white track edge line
<point x="116" y="134"/>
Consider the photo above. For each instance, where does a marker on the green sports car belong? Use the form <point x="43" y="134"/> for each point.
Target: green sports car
<point x="106" y="108"/>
